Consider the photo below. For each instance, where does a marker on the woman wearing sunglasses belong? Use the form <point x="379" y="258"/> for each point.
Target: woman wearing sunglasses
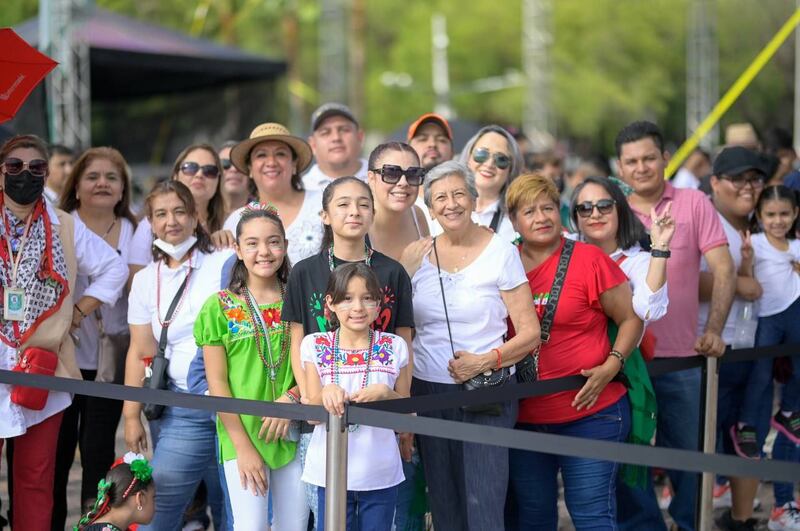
<point x="593" y="290"/>
<point x="42" y="252"/>
<point x="495" y="158"/>
<point x="399" y="229"/>
<point x="199" y="168"/>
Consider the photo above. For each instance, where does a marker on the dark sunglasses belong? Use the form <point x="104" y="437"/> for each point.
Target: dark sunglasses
<point x="37" y="167"/>
<point x="604" y="206"/>
<point x="391" y="174"/>
<point x="190" y="169"/>
<point x="226" y="164"/>
<point x="501" y="160"/>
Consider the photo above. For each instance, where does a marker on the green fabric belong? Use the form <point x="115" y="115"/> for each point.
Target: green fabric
<point x="643" y="410"/>
<point x="225" y="321"/>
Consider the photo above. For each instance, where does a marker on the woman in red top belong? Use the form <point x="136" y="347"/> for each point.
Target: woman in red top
<point x="594" y="290"/>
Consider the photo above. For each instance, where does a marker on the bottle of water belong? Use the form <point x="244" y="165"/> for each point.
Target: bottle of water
<point x="746" y="324"/>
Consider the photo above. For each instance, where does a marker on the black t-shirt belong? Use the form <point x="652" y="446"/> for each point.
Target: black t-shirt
<point x="304" y="301"/>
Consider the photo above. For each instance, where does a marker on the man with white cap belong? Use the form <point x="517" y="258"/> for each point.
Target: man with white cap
<point x="336" y="140"/>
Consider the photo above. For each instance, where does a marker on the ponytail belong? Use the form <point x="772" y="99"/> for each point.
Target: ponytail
<point x="327" y="197"/>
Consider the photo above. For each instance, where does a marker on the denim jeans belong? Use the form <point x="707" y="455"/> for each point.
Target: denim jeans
<point x="589" y="484"/>
<point x="467" y="482"/>
<point x="678" y="397"/>
<point x="407" y="516"/>
<point x="732" y="394"/>
<point x="185" y="454"/>
<point x="784" y="450"/>
<point x="367" y="510"/>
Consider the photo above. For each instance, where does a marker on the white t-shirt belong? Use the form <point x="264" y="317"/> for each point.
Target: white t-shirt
<point x="373" y="457"/>
<point x="773" y="269"/>
<point x="115" y="317"/>
<point x="504" y="229"/>
<point x="648" y="305"/>
<point x="685" y="179"/>
<point x="474" y="305"/>
<point x="140" y="251"/>
<point x="142" y="307"/>
<point x="305" y="232"/>
<point x="316" y="180"/>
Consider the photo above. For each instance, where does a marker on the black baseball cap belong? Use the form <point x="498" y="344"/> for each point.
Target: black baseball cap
<point x="736" y="160"/>
<point x="326" y="110"/>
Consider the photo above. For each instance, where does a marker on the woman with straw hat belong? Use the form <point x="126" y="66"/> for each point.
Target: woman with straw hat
<point x="275" y="159"/>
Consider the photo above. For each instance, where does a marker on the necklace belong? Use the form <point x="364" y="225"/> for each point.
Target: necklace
<point x="110" y="228"/>
<point x="367" y="255"/>
<point x="367" y="360"/>
<point x="168" y="322"/>
<point x="260" y="329"/>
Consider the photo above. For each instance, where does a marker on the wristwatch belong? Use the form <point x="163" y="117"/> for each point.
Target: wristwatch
<point x="658" y="253"/>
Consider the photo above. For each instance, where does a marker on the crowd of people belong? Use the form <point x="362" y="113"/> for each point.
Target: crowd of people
<point x="291" y="270"/>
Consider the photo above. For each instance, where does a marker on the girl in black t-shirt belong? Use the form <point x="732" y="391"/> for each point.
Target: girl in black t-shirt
<point x="347" y="212"/>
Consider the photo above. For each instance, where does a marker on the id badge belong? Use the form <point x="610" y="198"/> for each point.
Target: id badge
<point x="14" y="304"/>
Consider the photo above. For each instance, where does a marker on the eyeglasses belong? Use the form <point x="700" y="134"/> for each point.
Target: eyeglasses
<point x="366" y="303"/>
<point x="209" y="171"/>
<point x="501" y="160"/>
<point x="739" y="181"/>
<point x="15" y="166"/>
<point x="226" y="164"/>
<point x="604" y="206"/>
<point x="391" y="174"/>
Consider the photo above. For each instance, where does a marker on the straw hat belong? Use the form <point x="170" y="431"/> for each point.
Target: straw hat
<point x="240" y="154"/>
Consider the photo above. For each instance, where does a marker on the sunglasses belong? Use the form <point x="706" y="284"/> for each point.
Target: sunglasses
<point x="226" y="164"/>
<point x="604" y="206"/>
<point x="190" y="169"/>
<point x="501" y="160"/>
<point x="739" y="181"/>
<point x="391" y="174"/>
<point x="14" y="166"/>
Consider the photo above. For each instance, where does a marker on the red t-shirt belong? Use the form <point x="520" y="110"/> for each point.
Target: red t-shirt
<point x="579" y="335"/>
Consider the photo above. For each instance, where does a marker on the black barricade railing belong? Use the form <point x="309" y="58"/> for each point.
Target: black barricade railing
<point x="386" y="415"/>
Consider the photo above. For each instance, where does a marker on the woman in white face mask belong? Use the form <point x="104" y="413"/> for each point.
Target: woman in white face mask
<point x="183" y="271"/>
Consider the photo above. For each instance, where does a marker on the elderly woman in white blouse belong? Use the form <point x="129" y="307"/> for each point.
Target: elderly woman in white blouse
<point x="42" y="252"/>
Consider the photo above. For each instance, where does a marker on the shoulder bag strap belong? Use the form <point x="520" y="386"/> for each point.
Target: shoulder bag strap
<point x="496" y="219"/>
<point x="555" y="290"/>
<point x="162" y="342"/>
<point x="444" y="302"/>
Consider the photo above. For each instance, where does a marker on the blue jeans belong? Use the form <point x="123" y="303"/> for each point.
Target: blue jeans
<point x="367" y="510"/>
<point x="467" y="482"/>
<point x="589" y="484"/>
<point x="407" y="517"/>
<point x="224" y="488"/>
<point x="185" y="454"/>
<point x="773" y="330"/>
<point x="678" y="398"/>
<point x="784" y="450"/>
<point x="732" y="395"/>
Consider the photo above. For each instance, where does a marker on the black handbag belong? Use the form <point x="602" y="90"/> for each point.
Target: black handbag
<point x="527" y="369"/>
<point x="493" y="378"/>
<point x="158" y="378"/>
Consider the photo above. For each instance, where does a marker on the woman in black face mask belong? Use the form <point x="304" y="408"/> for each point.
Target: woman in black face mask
<point x="41" y="252"/>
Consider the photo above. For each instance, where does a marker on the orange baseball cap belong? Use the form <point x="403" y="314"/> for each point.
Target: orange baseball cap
<point x="430" y="117"/>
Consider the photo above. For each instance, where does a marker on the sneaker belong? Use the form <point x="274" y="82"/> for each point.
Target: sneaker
<point x="722" y="495"/>
<point x="785" y="518"/>
<point x="744" y="442"/>
<point x="665" y="499"/>
<point x="727" y="523"/>
<point x="789" y="426"/>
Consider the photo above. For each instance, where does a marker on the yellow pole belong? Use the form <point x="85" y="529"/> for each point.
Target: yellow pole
<point x="733" y="93"/>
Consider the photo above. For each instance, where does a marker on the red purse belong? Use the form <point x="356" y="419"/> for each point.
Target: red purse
<point x="648" y="346"/>
<point x="34" y="360"/>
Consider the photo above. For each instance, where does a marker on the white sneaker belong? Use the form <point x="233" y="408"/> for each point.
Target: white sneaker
<point x="785" y="518"/>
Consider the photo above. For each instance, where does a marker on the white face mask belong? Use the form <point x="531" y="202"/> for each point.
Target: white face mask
<point x="175" y="251"/>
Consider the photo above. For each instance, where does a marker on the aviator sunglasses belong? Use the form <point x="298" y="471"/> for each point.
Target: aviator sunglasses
<point x="391" y="174"/>
<point x="604" y="206"/>
<point x="15" y="166"/>
<point x="209" y="171"/>
<point x="501" y="160"/>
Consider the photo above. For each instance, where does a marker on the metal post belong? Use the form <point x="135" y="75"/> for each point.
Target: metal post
<point x="336" y="474"/>
<point x="709" y="433"/>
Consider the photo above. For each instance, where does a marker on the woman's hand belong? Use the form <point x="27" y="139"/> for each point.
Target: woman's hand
<point x="411" y="257"/>
<point x="662" y="228"/>
<point x="222" y="239"/>
<point x="465" y="365"/>
<point x="135" y="436"/>
<point x="273" y="428"/>
<point x="406" y="446"/>
<point x="251" y="470"/>
<point x="333" y="399"/>
<point x="372" y="393"/>
<point x="598" y="378"/>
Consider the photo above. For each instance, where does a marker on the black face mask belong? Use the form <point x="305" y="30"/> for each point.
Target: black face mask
<point x="24" y="188"/>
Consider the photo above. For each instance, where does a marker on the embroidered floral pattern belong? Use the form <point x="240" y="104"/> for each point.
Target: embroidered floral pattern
<point x="239" y="324"/>
<point x="382" y="353"/>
